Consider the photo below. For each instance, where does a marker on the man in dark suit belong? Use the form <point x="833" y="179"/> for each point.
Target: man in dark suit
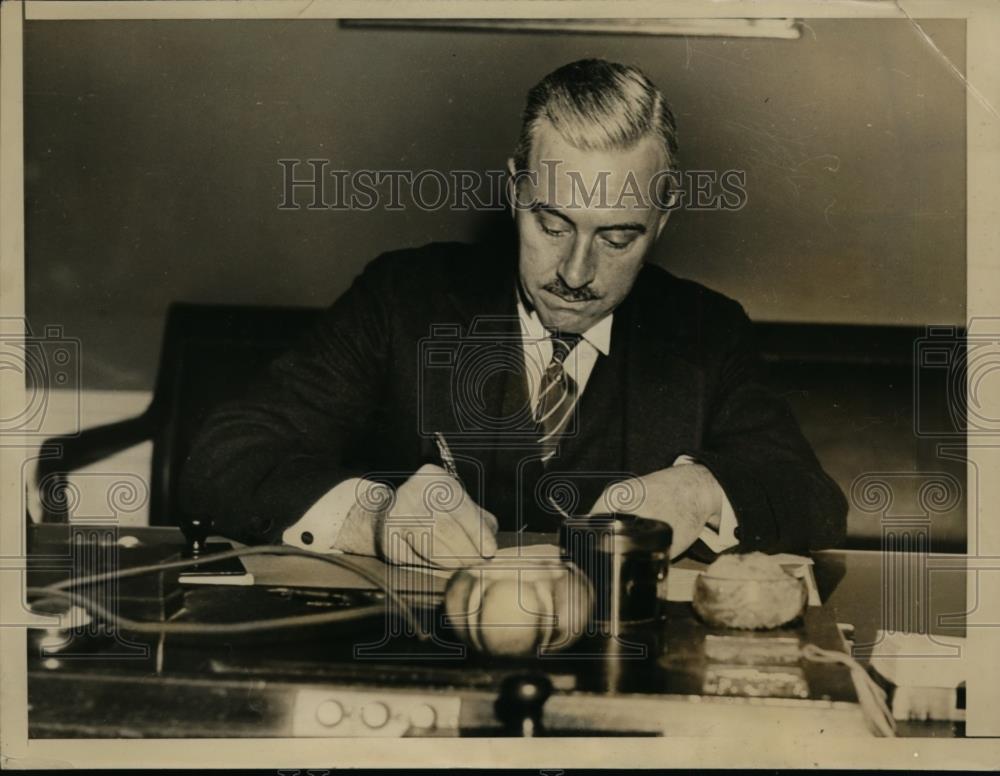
<point x="455" y="390"/>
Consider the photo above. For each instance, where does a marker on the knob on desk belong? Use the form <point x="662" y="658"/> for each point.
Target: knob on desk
<point x="519" y="705"/>
<point x="375" y="714"/>
<point x="329" y="713"/>
<point x="196" y="532"/>
<point x="423" y="717"/>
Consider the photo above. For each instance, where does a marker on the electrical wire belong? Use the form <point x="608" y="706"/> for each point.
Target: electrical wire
<point x="870" y="695"/>
<point x="248" y="626"/>
<point x="59" y="590"/>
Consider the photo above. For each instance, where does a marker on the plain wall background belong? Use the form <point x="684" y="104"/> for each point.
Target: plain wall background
<point x="151" y="164"/>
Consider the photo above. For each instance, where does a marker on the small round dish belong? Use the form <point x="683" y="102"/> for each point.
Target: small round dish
<point x="749" y="603"/>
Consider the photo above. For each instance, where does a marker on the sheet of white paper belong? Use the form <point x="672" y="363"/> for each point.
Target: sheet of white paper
<point x="920" y="660"/>
<point x="525" y="551"/>
<point x="529" y="551"/>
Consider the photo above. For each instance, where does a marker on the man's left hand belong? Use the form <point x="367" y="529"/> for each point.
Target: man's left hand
<point x="687" y="498"/>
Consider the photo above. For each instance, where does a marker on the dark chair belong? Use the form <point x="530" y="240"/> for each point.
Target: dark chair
<point x="209" y="353"/>
<point x="852" y="388"/>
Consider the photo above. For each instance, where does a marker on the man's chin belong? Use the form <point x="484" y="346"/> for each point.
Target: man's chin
<point x="569" y="321"/>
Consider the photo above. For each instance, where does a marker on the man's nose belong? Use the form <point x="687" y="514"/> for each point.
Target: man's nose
<point x="577" y="269"/>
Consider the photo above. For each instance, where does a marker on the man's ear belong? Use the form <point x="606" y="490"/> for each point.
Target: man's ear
<point x="661" y="221"/>
<point x="512" y="187"/>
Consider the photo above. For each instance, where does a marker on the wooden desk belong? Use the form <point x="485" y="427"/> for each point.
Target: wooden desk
<point x="277" y="684"/>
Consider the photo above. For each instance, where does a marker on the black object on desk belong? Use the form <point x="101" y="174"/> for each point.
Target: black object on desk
<point x="229" y="571"/>
<point x="519" y="705"/>
<point x="226" y="571"/>
<point x="196" y="530"/>
<point x="78" y="550"/>
<point x="625" y="557"/>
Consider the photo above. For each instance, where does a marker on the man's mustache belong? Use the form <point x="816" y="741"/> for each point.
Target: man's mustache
<point x="563" y="291"/>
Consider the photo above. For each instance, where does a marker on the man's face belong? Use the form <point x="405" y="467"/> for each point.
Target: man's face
<point x="583" y="240"/>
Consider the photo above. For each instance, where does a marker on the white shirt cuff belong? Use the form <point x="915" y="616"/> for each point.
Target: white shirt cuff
<point x="318" y="529"/>
<point x="725" y="537"/>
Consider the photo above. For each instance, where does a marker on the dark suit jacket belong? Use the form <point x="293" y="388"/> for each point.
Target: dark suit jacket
<point x="427" y="340"/>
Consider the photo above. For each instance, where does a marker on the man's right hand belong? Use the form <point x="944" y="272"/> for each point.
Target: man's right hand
<point x="433" y="522"/>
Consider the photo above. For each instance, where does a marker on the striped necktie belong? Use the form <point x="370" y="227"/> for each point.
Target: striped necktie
<point x="556" y="395"/>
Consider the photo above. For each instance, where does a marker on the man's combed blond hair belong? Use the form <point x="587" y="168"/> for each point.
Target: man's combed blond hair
<point x="596" y="105"/>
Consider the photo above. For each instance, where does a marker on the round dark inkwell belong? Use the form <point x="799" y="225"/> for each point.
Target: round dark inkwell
<point x="625" y="557"/>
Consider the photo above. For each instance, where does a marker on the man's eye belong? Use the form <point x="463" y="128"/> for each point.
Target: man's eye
<point x="618" y="245"/>
<point x="553" y="232"/>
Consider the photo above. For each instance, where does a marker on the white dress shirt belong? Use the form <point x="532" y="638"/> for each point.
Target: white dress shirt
<point x="320" y="526"/>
